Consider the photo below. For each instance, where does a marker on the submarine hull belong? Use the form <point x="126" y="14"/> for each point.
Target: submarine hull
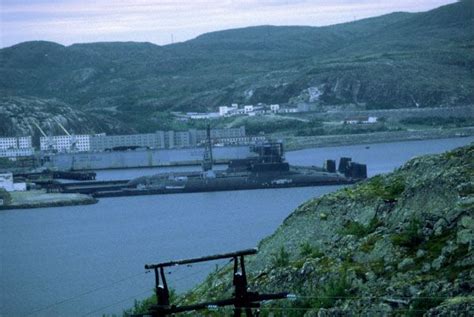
<point x="230" y="183"/>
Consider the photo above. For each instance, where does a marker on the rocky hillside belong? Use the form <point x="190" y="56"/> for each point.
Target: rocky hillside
<point x="397" y="60"/>
<point x="395" y="245"/>
<point x="19" y="116"/>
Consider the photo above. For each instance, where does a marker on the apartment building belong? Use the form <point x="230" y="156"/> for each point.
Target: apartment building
<point x="16" y="146"/>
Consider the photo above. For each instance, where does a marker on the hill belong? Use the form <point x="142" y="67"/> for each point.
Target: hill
<point x="19" y="116"/>
<point x="393" y="61"/>
<point x="396" y="244"/>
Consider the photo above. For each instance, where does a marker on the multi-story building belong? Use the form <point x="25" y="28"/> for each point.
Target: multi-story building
<point x="199" y="136"/>
<point x="164" y="139"/>
<point x="16" y="146"/>
<point x="12" y="153"/>
<point x="66" y="143"/>
<point x="15" y="143"/>
<point x="104" y="142"/>
<point x="157" y="140"/>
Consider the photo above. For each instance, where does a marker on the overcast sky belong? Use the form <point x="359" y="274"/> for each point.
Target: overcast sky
<point x="161" y="21"/>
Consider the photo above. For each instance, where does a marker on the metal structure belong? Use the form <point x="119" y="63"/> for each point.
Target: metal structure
<point x="73" y="137"/>
<point x="243" y="300"/>
<point x="207" y="161"/>
<point x="48" y="137"/>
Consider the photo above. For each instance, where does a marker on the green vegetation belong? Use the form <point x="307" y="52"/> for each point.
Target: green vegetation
<point x="421" y="305"/>
<point x="5" y="163"/>
<point x="140" y="307"/>
<point x="410" y="237"/>
<point x="309" y="251"/>
<point x="407" y="256"/>
<point x="336" y="289"/>
<point x="359" y="230"/>
<point x="368" y="245"/>
<point x="281" y="258"/>
<point x="5" y="196"/>
<point x="380" y="186"/>
<point x="393" y="61"/>
<point x="451" y="122"/>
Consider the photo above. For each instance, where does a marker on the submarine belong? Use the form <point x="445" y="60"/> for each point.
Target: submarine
<point x="266" y="167"/>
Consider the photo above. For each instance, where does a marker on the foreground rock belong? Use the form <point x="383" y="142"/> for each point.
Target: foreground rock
<point x="398" y="244"/>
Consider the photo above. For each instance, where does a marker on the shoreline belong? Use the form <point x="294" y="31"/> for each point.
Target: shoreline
<point x="40" y="199"/>
<point x="301" y="143"/>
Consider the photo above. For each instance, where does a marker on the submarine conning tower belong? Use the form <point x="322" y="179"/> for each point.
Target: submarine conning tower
<point x="352" y="169"/>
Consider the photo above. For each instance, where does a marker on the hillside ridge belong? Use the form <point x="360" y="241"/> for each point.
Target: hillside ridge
<point x="396" y="244"/>
<point x="393" y="61"/>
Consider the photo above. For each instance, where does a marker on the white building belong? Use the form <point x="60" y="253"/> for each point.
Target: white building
<point x="225" y="111"/>
<point x="205" y="115"/>
<point x="6" y="181"/>
<point x="23" y="142"/>
<point x="16" y="152"/>
<point x="288" y="110"/>
<point x="14" y="147"/>
<point x="248" y="108"/>
<point x="66" y="143"/>
<point x="361" y="120"/>
<point x="274" y="108"/>
<point x="372" y="120"/>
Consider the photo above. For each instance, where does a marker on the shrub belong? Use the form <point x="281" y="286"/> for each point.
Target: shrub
<point x="354" y="228"/>
<point x="369" y="244"/>
<point x="409" y="238"/>
<point x="5" y="196"/>
<point x="359" y="230"/>
<point x="421" y="305"/>
<point x="307" y="250"/>
<point x="386" y="188"/>
<point x="281" y="258"/>
<point x="335" y="289"/>
<point x="141" y="307"/>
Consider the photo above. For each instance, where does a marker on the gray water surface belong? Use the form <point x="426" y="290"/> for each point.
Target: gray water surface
<point x="88" y="260"/>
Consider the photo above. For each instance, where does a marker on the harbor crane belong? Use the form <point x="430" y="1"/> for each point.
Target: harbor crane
<point x="48" y="138"/>
<point x="73" y="137"/>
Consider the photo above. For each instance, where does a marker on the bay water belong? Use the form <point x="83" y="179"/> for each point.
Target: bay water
<point x="89" y="260"/>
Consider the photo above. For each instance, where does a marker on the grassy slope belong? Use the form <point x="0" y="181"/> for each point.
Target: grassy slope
<point x="402" y="236"/>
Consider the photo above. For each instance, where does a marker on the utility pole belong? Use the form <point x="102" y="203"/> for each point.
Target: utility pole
<point x="243" y="300"/>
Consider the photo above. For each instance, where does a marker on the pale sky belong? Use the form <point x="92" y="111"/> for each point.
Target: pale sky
<point x="161" y="21"/>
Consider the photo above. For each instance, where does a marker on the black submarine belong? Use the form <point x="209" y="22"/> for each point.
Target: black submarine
<point x="265" y="168"/>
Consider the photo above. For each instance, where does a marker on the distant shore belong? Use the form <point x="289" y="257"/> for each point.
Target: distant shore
<point x="300" y="143"/>
<point x="41" y="199"/>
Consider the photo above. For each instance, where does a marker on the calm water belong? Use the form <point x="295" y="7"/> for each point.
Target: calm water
<point x="88" y="260"/>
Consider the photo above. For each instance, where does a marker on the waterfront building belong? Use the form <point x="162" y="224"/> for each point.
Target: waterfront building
<point x="105" y="142"/>
<point x="158" y="140"/>
<point x="7" y="183"/>
<point x="66" y="143"/>
<point x="14" y="153"/>
<point x="23" y="142"/>
<point x="16" y="146"/>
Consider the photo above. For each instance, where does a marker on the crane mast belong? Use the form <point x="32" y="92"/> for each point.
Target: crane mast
<point x="73" y="137"/>
<point x="49" y="143"/>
